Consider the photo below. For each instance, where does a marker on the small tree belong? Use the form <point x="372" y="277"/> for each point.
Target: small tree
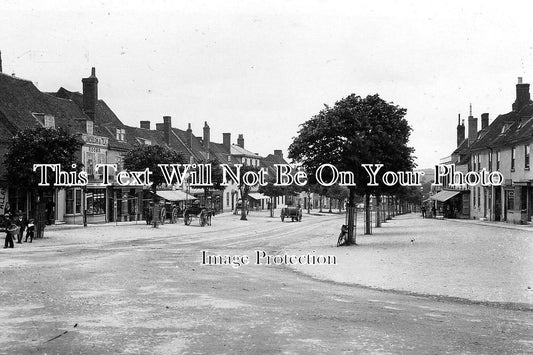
<point x="149" y="156"/>
<point x="40" y="146"/>
<point x="272" y="191"/>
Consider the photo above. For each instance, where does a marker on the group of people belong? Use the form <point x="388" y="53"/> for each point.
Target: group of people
<point x="15" y="225"/>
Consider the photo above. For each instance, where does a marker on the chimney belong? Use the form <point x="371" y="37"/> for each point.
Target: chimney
<point x="90" y="94"/>
<point x="207" y="135"/>
<point x="167" y="127"/>
<point x="226" y="140"/>
<point x="0" y="61"/>
<point x="160" y="127"/>
<point x="472" y="127"/>
<point x="460" y="130"/>
<point x="278" y="153"/>
<point x="189" y="136"/>
<point x="522" y="95"/>
<point x="484" y="120"/>
<point x="145" y="124"/>
<point x="240" y="141"/>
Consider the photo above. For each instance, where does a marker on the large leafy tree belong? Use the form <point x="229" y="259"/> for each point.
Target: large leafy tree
<point x="353" y="132"/>
<point x="149" y="156"/>
<point x="40" y="146"/>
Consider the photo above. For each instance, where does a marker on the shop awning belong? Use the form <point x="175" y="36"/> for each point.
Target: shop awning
<point x="444" y="195"/>
<point x="175" y="195"/>
<point x="257" y="196"/>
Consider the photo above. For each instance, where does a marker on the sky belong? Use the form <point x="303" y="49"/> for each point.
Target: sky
<point x="262" y="68"/>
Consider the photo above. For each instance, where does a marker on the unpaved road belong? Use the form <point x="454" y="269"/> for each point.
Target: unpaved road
<point x="137" y="290"/>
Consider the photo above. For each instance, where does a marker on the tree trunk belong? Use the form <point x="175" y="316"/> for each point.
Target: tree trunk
<point x="271" y="207"/>
<point x="308" y="202"/>
<point x="350" y="211"/>
<point x="378" y="211"/>
<point x="244" y="207"/>
<point x="367" y="214"/>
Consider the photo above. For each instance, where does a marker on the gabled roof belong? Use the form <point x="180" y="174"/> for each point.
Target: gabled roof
<point x="507" y="129"/>
<point x="20" y="100"/>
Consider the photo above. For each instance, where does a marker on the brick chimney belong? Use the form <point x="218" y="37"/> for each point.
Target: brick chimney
<point x="240" y="141"/>
<point x="522" y="95"/>
<point x="189" y="136"/>
<point x="472" y="127"/>
<point x="484" y="120"/>
<point x="160" y="127"/>
<point x="278" y="153"/>
<point x="145" y="124"/>
<point x="167" y="127"/>
<point x="226" y="140"/>
<point x="90" y="94"/>
<point x="207" y="136"/>
<point x="460" y="130"/>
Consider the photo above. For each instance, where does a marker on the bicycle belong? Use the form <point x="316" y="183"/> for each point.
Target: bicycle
<point x="343" y="236"/>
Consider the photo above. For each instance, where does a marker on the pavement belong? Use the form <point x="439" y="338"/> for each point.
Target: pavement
<point x="133" y="289"/>
<point x="470" y="260"/>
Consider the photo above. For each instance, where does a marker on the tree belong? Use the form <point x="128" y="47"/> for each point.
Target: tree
<point x="40" y="146"/>
<point x="353" y="132"/>
<point x="244" y="188"/>
<point x="271" y="191"/>
<point x="149" y="156"/>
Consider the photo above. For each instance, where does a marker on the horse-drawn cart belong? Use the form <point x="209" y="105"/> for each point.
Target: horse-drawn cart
<point x="202" y="214"/>
<point x="294" y="213"/>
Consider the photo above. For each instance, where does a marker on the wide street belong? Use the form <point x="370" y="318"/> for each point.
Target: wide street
<point x="138" y="290"/>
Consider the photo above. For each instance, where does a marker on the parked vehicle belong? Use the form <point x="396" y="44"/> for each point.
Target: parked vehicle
<point x="294" y="213"/>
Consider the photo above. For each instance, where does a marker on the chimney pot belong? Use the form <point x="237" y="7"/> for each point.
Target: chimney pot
<point x="167" y="126"/>
<point x="484" y="120"/>
<point x="519" y="80"/>
<point x="226" y="140"/>
<point x="90" y="94"/>
<point x="189" y="136"/>
<point x="207" y="136"/>
<point x="145" y="124"/>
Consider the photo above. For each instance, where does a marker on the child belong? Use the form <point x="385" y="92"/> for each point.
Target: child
<point x="30" y="230"/>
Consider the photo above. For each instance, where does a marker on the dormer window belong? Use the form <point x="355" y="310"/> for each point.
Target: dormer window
<point x="90" y="127"/>
<point x="229" y="158"/>
<point x="121" y="134"/>
<point x="49" y="121"/>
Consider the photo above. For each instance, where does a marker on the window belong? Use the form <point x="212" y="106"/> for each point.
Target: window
<point x="121" y="134"/>
<point x="490" y="161"/>
<point x="90" y="127"/>
<point x="474" y="196"/>
<point x="49" y="121"/>
<point x="227" y="197"/>
<point x="478" y="196"/>
<point x="73" y="201"/>
<point x="526" y="156"/>
<point x="478" y="163"/>
<point x="498" y="156"/>
<point x="513" y="156"/>
<point x="95" y="201"/>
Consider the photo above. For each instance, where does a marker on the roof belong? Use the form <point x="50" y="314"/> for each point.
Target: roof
<point x="20" y="100"/>
<point x="239" y="151"/>
<point x="507" y="129"/>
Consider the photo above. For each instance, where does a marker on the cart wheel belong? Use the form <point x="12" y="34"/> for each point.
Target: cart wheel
<point x="174" y="218"/>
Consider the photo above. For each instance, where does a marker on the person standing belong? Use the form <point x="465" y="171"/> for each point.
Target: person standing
<point x="20" y="222"/>
<point x="11" y="230"/>
<point x="30" y="231"/>
<point x="423" y="211"/>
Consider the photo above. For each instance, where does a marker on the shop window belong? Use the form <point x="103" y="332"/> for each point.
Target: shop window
<point x="96" y="201"/>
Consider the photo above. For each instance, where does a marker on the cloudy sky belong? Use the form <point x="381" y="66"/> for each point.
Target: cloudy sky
<point x="261" y="68"/>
